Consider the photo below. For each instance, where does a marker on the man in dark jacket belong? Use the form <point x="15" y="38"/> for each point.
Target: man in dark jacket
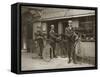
<point x="70" y="37"/>
<point x="39" y="39"/>
<point x="53" y="41"/>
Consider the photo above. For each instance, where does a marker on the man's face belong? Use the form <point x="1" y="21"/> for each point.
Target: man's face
<point x="52" y="26"/>
<point x="70" y="23"/>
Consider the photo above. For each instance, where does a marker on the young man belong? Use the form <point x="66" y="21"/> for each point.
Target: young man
<point x="70" y="35"/>
<point x="39" y="39"/>
<point x="53" y="40"/>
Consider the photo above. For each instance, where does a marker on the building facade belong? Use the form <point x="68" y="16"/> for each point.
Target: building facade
<point x="83" y="22"/>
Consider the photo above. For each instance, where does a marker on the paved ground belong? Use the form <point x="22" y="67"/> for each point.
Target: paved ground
<point x="37" y="64"/>
<point x="87" y="49"/>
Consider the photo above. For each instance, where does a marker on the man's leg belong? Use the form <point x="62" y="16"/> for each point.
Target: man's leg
<point x="54" y="52"/>
<point x="41" y="50"/>
<point x="69" y="56"/>
<point x="51" y="54"/>
<point x="66" y="49"/>
<point x="69" y="53"/>
<point x="74" y="55"/>
<point x="53" y="49"/>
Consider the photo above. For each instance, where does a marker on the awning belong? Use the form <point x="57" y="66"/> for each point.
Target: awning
<point x="64" y="17"/>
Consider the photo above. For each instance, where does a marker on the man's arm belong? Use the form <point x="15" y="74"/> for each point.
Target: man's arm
<point x="52" y="35"/>
<point x="38" y="36"/>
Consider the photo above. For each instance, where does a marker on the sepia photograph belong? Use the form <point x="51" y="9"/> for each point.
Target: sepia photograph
<point x="57" y="38"/>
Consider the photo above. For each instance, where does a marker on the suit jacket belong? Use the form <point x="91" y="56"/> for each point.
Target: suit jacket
<point x="68" y="33"/>
<point x="52" y="37"/>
